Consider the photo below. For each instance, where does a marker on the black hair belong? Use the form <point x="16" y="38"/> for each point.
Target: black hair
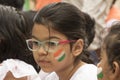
<point x="112" y="44"/>
<point x="13" y="34"/>
<point x="14" y="3"/>
<point x="12" y="39"/>
<point x="70" y="21"/>
<point x="28" y="16"/>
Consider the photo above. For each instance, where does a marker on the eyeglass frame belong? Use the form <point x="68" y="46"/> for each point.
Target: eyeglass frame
<point x="41" y="43"/>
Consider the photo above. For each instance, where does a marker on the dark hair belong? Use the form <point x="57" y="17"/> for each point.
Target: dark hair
<point x="112" y="44"/>
<point x="12" y="39"/>
<point x="14" y="3"/>
<point x="28" y="15"/>
<point x="13" y="35"/>
<point x="68" y="20"/>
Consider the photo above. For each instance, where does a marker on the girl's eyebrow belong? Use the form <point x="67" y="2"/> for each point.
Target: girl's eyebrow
<point x="54" y="37"/>
<point x="35" y="37"/>
<point x="51" y="37"/>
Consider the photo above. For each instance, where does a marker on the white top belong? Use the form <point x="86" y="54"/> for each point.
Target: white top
<point x="43" y="74"/>
<point x="85" y="72"/>
<point x="18" y="69"/>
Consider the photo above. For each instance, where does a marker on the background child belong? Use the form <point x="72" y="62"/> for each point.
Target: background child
<point x="110" y="54"/>
<point x="13" y="50"/>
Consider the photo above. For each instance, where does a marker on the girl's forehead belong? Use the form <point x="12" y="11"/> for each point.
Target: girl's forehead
<point x="39" y="28"/>
<point x="43" y="32"/>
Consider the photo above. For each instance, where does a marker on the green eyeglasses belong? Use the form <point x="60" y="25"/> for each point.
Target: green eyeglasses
<point x="48" y="46"/>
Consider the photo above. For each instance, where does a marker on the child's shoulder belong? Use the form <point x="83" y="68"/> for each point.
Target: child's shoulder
<point x="85" y="72"/>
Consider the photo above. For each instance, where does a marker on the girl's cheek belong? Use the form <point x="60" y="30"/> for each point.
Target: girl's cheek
<point x="99" y="73"/>
<point x="59" y="55"/>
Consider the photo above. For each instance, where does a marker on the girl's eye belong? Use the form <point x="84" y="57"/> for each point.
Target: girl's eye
<point x="35" y="42"/>
<point x="51" y="44"/>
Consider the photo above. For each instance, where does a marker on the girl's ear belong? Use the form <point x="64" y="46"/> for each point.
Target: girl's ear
<point x="115" y="71"/>
<point x="78" y="47"/>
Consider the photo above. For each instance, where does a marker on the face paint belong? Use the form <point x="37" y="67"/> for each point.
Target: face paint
<point x="59" y="55"/>
<point x="99" y="73"/>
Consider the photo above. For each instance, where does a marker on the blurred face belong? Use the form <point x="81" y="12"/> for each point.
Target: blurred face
<point x="53" y="53"/>
<point x="106" y="68"/>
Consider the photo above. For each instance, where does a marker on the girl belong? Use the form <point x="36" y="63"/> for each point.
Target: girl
<point x="59" y="42"/>
<point x="110" y="55"/>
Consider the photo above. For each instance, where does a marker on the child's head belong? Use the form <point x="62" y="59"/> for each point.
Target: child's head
<point x="18" y="4"/>
<point x="12" y="36"/>
<point x="68" y="20"/>
<point x="110" y="54"/>
<point x="61" y="30"/>
<point x="29" y="16"/>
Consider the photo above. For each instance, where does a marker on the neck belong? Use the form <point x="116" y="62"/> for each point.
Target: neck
<point x="67" y="73"/>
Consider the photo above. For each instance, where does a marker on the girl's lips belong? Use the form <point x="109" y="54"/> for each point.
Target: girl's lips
<point x="43" y="62"/>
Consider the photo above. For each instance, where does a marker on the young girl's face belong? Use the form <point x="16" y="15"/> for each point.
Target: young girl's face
<point x="54" y="52"/>
<point x="106" y="69"/>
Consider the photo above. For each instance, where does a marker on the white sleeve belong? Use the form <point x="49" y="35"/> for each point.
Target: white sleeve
<point x="18" y="69"/>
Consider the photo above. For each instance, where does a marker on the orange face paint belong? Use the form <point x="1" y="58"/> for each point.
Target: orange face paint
<point x="59" y="55"/>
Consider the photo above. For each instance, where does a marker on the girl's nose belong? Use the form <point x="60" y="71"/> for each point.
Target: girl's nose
<point x="42" y="51"/>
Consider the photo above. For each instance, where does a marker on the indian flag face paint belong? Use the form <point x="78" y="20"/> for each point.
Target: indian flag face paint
<point x="99" y="73"/>
<point x="59" y="55"/>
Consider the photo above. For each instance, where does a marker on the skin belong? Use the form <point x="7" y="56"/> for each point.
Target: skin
<point x="47" y="62"/>
<point x="10" y="76"/>
<point x="108" y="72"/>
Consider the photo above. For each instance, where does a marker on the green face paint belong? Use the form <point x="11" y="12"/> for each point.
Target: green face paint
<point x="99" y="73"/>
<point x="59" y="55"/>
